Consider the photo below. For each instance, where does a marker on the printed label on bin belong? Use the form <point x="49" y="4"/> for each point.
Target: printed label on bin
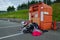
<point x="42" y="13"/>
<point x="46" y="13"/>
<point x="29" y="16"/>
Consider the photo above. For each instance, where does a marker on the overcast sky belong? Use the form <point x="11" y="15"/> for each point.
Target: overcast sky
<point x="5" y="3"/>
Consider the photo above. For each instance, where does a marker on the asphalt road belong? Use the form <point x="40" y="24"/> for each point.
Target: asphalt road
<point x="10" y="31"/>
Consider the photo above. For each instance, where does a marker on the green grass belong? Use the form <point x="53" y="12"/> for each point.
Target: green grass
<point x="21" y="14"/>
<point x="56" y="11"/>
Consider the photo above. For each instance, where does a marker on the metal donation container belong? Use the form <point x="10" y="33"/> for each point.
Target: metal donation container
<point x="42" y="15"/>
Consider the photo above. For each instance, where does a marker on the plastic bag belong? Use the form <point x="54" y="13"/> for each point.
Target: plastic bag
<point x="36" y="32"/>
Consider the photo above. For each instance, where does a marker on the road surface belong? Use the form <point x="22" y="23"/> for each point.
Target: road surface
<point x="10" y="31"/>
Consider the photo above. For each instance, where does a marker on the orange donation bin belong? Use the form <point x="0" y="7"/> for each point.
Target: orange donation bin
<point x="42" y="15"/>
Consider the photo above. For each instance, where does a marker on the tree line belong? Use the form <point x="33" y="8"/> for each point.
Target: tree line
<point x="22" y="6"/>
<point x="57" y="1"/>
<point x="26" y="5"/>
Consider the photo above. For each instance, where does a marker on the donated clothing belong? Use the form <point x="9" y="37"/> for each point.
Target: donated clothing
<point x="36" y="32"/>
<point x="30" y="27"/>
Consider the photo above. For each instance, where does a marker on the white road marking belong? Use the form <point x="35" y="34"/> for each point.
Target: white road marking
<point x="11" y="35"/>
<point x="10" y="26"/>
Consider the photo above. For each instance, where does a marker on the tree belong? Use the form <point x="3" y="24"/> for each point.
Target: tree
<point x="24" y="6"/>
<point x="33" y="2"/>
<point x="57" y="1"/>
<point x="47" y="2"/>
<point x="13" y="9"/>
<point x="39" y="1"/>
<point x="10" y="8"/>
<point x="19" y="7"/>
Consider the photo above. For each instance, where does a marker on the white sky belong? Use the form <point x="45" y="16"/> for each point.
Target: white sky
<point x="5" y="3"/>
